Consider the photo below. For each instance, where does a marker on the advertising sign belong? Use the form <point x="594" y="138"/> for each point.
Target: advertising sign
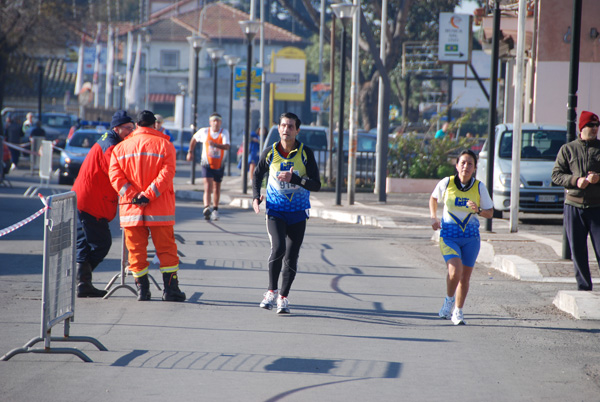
<point x="290" y="60"/>
<point x="320" y="93"/>
<point x="455" y="38"/>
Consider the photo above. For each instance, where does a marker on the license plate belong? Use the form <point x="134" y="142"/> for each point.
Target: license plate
<point x="546" y="198"/>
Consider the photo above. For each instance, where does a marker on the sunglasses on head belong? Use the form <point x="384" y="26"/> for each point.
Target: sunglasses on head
<point x="596" y="124"/>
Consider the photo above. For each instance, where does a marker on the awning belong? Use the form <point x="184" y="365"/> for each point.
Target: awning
<point x="162" y="98"/>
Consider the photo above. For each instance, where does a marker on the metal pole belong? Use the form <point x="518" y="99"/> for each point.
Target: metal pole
<point x="263" y="83"/>
<point x="215" y="61"/>
<point x="230" y="118"/>
<point x="247" y="127"/>
<point x="331" y="97"/>
<point x="572" y="96"/>
<point x="340" y="145"/>
<point x="493" y="116"/>
<point x="321" y="42"/>
<point x="517" y="120"/>
<point x="382" y="115"/>
<point x="147" y="101"/>
<point x="195" y="108"/>
<point x="353" y="120"/>
<point x="40" y="90"/>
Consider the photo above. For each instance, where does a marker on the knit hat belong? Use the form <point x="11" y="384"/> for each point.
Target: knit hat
<point x="146" y="118"/>
<point x="120" y="117"/>
<point x="585" y="118"/>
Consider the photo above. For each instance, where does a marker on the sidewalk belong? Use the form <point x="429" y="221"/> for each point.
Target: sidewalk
<point x="522" y="255"/>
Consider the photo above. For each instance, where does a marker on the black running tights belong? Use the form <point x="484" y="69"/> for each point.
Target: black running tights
<point x="286" y="241"/>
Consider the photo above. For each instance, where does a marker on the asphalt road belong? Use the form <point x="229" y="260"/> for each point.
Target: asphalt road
<point x="364" y="324"/>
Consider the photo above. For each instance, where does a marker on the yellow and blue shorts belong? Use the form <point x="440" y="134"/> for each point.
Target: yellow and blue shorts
<point x="465" y="248"/>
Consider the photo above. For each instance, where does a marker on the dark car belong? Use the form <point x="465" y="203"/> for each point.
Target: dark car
<point x="57" y="126"/>
<point x="366" y="151"/>
<point x="75" y="151"/>
<point x="315" y="137"/>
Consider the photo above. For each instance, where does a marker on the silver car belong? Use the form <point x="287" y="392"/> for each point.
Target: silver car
<point x="539" y="146"/>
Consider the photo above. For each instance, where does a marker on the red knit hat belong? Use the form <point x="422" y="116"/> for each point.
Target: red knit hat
<point x="585" y="118"/>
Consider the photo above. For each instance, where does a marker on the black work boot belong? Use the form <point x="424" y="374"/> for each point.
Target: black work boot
<point x="143" y="287"/>
<point x="84" y="282"/>
<point x="171" y="291"/>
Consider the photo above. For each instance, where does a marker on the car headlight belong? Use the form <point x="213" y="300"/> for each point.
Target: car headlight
<point x="67" y="159"/>
<point x="505" y="180"/>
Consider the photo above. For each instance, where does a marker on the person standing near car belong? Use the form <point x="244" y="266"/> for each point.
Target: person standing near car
<point x="215" y="142"/>
<point x="576" y="169"/>
<point x="464" y="198"/>
<point x="97" y="204"/>
<point x="28" y="123"/>
<point x="13" y="133"/>
<point x="142" y="169"/>
<point x="159" y="127"/>
<point x="292" y="174"/>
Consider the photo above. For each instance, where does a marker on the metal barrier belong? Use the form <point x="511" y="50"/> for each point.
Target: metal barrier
<point x="34" y="157"/>
<point x="58" y="286"/>
<point x="45" y="171"/>
<point x="124" y="272"/>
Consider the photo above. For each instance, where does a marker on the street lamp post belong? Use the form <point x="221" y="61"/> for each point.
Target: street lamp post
<point x="120" y="83"/>
<point x="215" y="54"/>
<point x="250" y="29"/>
<point x="40" y="88"/>
<point x="344" y="12"/>
<point x="231" y="62"/>
<point x="196" y="42"/>
<point x="147" y="39"/>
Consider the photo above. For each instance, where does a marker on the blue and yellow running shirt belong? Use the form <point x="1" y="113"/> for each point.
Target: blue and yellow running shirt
<point x="283" y="196"/>
<point x="290" y="201"/>
<point x="458" y="220"/>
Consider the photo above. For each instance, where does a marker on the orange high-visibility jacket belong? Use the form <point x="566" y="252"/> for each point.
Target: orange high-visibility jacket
<point x="144" y="162"/>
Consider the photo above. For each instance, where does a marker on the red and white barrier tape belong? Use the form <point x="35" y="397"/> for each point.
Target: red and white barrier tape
<point x="18" y="148"/>
<point x="25" y="221"/>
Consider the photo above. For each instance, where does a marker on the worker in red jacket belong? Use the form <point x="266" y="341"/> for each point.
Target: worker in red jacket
<point x="97" y="204"/>
<point x="141" y="170"/>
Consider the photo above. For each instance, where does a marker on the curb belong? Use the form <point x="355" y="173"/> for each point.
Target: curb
<point x="581" y="305"/>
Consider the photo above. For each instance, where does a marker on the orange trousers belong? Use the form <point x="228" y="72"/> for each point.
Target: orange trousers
<point x="136" y="241"/>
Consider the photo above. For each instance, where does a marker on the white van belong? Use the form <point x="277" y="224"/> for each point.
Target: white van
<point x="539" y="146"/>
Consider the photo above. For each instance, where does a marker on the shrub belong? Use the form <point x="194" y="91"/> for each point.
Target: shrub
<point x="417" y="156"/>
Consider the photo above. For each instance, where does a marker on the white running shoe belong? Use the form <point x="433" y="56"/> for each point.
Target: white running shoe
<point x="446" y="310"/>
<point x="457" y="317"/>
<point x="282" y="305"/>
<point x="214" y="215"/>
<point x="206" y="212"/>
<point x="269" y="300"/>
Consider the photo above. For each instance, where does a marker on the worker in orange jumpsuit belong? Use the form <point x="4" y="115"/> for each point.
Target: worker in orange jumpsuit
<point x="142" y="169"/>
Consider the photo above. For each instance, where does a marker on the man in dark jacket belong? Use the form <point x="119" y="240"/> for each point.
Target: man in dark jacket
<point x="13" y="133"/>
<point x="97" y="204"/>
<point x="577" y="169"/>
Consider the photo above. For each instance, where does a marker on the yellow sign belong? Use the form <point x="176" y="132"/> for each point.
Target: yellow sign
<point x="290" y="60"/>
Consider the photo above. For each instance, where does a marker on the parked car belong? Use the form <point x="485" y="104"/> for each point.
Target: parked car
<point x="315" y="137"/>
<point x="539" y="146"/>
<point x="366" y="151"/>
<point x="57" y="126"/>
<point x="181" y="139"/>
<point x="75" y="151"/>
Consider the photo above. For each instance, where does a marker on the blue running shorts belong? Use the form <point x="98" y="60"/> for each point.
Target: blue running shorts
<point x="465" y="248"/>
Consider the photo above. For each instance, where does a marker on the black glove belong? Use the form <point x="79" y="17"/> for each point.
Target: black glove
<point x="140" y="200"/>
